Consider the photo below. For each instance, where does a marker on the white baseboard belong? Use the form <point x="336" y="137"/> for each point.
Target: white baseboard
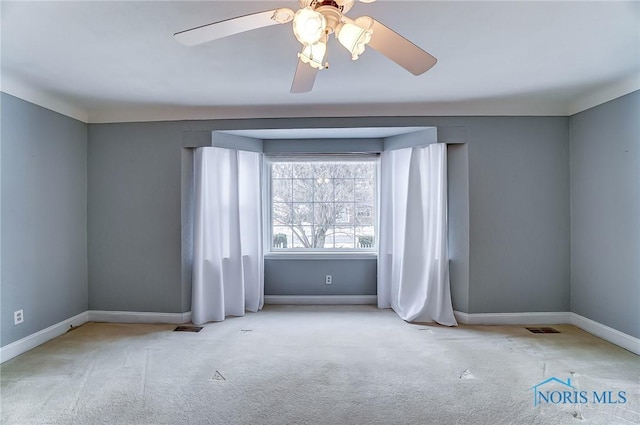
<point x="607" y="333"/>
<point x="611" y="335"/>
<point x="138" y="317"/>
<point x="320" y="299"/>
<point x="616" y="337"/>
<point x="25" y="344"/>
<point x="535" y="318"/>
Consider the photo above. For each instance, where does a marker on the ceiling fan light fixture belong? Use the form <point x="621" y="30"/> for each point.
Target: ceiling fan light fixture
<point x="283" y="15"/>
<point x="354" y="35"/>
<point x="312" y="25"/>
<point x="313" y="54"/>
<point x="309" y="26"/>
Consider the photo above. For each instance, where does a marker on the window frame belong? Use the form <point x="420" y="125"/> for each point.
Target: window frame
<point x="320" y="253"/>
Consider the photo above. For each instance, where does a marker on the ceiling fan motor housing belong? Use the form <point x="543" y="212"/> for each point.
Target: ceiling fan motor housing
<point x="333" y="17"/>
<point x="342" y="5"/>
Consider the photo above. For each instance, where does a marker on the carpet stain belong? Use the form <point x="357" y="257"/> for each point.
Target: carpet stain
<point x="244" y="331"/>
<point x="426" y="330"/>
<point x="145" y="372"/>
<point x="218" y="376"/>
<point x="467" y="375"/>
<point x="84" y="384"/>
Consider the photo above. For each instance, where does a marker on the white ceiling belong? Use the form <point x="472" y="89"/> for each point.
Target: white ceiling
<point x="117" y="61"/>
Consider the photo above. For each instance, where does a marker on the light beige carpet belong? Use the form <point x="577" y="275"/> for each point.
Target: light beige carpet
<point x="315" y="365"/>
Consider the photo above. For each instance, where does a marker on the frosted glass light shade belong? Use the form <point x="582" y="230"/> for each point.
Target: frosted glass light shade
<point x="313" y="54"/>
<point x="309" y="26"/>
<point x="354" y="35"/>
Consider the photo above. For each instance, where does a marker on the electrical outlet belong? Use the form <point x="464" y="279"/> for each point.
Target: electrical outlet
<point x="18" y="317"/>
<point x="327" y="279"/>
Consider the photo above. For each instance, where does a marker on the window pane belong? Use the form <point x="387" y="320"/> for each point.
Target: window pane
<point x="281" y="190"/>
<point x="302" y="237"/>
<point x="322" y="169"/>
<point x="302" y="213"/>
<point x="281" y="237"/>
<point x="343" y="213"/>
<point x="344" y="170"/>
<point x="323" y="189"/>
<point x="323" y="214"/>
<point x="281" y="213"/>
<point x="364" y="214"/>
<point x="281" y="170"/>
<point x="364" y="170"/>
<point x="323" y="237"/>
<point x="302" y="170"/>
<point x="365" y="237"/>
<point x="343" y="189"/>
<point x="302" y="190"/>
<point x="364" y="190"/>
<point x="344" y="237"/>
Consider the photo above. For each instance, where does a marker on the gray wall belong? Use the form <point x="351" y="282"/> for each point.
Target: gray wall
<point x="307" y="277"/>
<point x="44" y="217"/>
<point x="458" y="223"/>
<point x="605" y="214"/>
<point x="136" y="217"/>
<point x="519" y="214"/>
<point x="518" y="208"/>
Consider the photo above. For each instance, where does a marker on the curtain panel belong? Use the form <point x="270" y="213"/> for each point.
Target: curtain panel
<point x="228" y="275"/>
<point x="413" y="263"/>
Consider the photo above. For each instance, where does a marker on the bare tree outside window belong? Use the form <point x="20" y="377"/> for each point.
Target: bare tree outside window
<point x="323" y="204"/>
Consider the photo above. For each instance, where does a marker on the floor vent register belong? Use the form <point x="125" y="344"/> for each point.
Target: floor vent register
<point x="543" y="330"/>
<point x="188" y="329"/>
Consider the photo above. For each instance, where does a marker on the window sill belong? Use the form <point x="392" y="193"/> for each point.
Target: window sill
<point x="344" y="255"/>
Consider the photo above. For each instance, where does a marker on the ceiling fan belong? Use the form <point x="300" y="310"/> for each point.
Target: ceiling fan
<point x="312" y="25"/>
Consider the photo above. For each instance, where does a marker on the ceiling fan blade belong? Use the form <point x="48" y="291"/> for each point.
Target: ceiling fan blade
<point x="216" y="30"/>
<point x="304" y="78"/>
<point x="400" y="50"/>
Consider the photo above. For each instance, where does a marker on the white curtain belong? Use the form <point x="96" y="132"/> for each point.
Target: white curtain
<point x="227" y="265"/>
<point x="413" y="264"/>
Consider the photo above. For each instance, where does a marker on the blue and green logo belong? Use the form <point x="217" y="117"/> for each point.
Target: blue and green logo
<point x="557" y="391"/>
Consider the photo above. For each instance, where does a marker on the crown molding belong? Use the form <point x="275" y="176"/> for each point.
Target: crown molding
<point x="486" y="107"/>
<point x="41" y="98"/>
<point x="605" y="94"/>
<point x="476" y="107"/>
